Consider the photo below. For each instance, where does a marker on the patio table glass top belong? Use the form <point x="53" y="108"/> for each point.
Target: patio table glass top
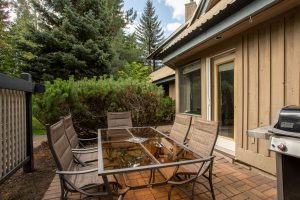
<point x="139" y="148"/>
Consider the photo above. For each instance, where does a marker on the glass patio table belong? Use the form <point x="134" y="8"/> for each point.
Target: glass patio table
<point x="139" y="149"/>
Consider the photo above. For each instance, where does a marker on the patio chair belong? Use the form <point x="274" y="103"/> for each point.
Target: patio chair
<point x="119" y="120"/>
<point x="75" y="141"/>
<point x="81" y="178"/>
<point x="90" y="154"/>
<point x="202" y="142"/>
<point x="181" y="127"/>
<point x="179" y="132"/>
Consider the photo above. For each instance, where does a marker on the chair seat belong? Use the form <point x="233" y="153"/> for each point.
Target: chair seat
<point x="183" y="169"/>
<point x="168" y="172"/>
<point x="189" y="169"/>
<point x="88" y="179"/>
<point x="86" y="157"/>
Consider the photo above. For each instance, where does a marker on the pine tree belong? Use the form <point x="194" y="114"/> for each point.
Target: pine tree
<point x="5" y="48"/>
<point x="24" y="17"/>
<point x="125" y="50"/>
<point x="72" y="38"/>
<point x="149" y="32"/>
<point x="4" y="22"/>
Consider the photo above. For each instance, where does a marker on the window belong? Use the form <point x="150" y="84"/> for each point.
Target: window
<point x="190" y="89"/>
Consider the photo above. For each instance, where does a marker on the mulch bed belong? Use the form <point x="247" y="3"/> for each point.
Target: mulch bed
<point x="33" y="185"/>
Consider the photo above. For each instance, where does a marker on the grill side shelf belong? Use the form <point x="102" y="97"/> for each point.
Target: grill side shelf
<point x="260" y="132"/>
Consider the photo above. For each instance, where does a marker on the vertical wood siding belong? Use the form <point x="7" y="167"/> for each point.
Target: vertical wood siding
<point x="12" y="130"/>
<point x="269" y="77"/>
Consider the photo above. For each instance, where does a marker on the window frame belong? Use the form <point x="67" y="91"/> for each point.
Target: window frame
<point x="190" y="68"/>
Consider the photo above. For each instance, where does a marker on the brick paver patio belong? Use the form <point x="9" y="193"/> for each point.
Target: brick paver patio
<point x="231" y="181"/>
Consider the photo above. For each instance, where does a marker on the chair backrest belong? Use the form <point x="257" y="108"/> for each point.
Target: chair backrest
<point x="119" y="120"/>
<point x="204" y="137"/>
<point x="181" y="127"/>
<point x="70" y="132"/>
<point x="60" y="147"/>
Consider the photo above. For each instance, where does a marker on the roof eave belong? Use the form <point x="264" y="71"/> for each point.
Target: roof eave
<point x="232" y="20"/>
<point x="172" y="36"/>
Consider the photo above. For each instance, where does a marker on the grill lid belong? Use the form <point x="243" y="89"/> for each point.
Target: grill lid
<point x="289" y="119"/>
<point x="288" y="122"/>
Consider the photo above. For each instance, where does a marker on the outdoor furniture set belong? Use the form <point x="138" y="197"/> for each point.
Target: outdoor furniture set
<point x="180" y="157"/>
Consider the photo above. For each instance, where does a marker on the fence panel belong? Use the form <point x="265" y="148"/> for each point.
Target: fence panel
<point x="16" y="148"/>
<point x="12" y="134"/>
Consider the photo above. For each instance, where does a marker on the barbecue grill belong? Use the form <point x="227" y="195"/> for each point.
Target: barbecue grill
<point x="284" y="139"/>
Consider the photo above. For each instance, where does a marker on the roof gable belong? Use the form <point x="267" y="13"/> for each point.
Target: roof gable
<point x="200" y="10"/>
<point x="207" y="12"/>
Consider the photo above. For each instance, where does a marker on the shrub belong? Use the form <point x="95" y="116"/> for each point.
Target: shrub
<point x="89" y="99"/>
<point x="135" y="70"/>
<point x="166" y="110"/>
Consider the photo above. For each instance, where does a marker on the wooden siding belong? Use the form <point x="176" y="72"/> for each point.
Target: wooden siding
<point x="269" y="77"/>
<point x="172" y="91"/>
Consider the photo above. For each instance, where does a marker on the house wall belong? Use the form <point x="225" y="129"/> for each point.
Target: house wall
<point x="267" y="63"/>
<point x="161" y="73"/>
<point x="172" y="91"/>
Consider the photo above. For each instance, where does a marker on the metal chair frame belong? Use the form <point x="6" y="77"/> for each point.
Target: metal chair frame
<point x="66" y="185"/>
<point x="192" y="177"/>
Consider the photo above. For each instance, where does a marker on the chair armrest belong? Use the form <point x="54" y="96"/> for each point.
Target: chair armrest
<point x="89" y="139"/>
<point x="206" y="159"/>
<point x="181" y="182"/>
<point x="76" y="172"/>
<point x="86" y="149"/>
<point x="78" y="151"/>
<point x="94" y="132"/>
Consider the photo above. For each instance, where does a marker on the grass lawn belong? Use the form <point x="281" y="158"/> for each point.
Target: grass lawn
<point x="37" y="127"/>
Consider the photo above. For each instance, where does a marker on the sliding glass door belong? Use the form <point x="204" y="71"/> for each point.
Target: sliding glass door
<point x="222" y="87"/>
<point x="225" y="99"/>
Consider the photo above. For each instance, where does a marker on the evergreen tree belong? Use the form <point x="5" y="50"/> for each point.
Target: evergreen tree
<point x="125" y="50"/>
<point x="12" y="57"/>
<point x="5" y="47"/>
<point x="149" y="32"/>
<point x="72" y="38"/>
<point x="4" y="22"/>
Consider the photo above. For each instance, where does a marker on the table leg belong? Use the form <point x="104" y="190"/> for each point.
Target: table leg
<point x="107" y="187"/>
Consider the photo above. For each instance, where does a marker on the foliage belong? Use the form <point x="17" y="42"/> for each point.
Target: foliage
<point x="167" y="109"/>
<point x="135" y="70"/>
<point x="4" y="16"/>
<point x="125" y="50"/>
<point x="73" y="37"/>
<point x="5" y="47"/>
<point x="11" y="56"/>
<point x="37" y="127"/>
<point x="149" y="32"/>
<point x="89" y="99"/>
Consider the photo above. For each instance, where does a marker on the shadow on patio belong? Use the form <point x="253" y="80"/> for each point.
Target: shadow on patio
<point x="231" y="181"/>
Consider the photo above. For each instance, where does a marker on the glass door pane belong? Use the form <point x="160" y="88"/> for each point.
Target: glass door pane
<point x="190" y="90"/>
<point x="226" y="99"/>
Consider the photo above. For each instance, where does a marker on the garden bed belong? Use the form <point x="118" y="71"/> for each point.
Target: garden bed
<point x="31" y="185"/>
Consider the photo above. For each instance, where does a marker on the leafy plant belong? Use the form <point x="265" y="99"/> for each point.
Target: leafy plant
<point x="135" y="70"/>
<point x="167" y="108"/>
<point x="37" y="127"/>
<point x="89" y="100"/>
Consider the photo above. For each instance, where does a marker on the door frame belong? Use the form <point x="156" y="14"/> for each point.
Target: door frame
<point x="224" y="57"/>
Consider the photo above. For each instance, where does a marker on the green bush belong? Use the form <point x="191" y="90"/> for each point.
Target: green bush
<point x="166" y="109"/>
<point x="37" y="127"/>
<point x="89" y="99"/>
